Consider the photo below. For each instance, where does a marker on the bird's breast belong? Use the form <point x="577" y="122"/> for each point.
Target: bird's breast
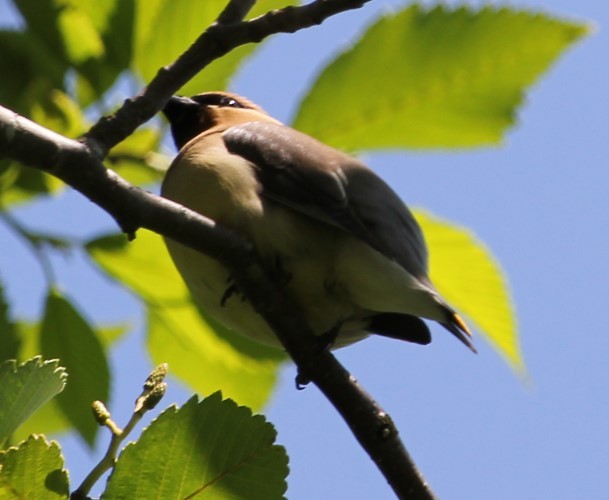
<point x="301" y="251"/>
<point x="209" y="180"/>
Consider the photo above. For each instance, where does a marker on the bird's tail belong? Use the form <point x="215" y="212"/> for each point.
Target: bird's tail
<point x="455" y="325"/>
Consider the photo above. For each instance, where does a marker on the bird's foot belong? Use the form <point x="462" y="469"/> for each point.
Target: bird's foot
<point x="231" y="290"/>
<point x="324" y="342"/>
<point x="301" y="381"/>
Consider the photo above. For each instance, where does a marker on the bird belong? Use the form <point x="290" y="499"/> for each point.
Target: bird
<point x="342" y="243"/>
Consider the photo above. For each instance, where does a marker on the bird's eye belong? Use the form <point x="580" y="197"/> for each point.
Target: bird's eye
<point x="217" y="99"/>
<point x="230" y="102"/>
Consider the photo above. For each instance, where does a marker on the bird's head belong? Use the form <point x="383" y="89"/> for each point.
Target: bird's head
<point x="191" y="116"/>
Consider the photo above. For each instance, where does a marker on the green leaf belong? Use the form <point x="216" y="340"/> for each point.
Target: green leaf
<point x="53" y="109"/>
<point x="65" y="27"/>
<point x="66" y="335"/>
<point x="114" y="21"/>
<point x="20" y="184"/>
<point x="143" y="265"/>
<point x="50" y="419"/>
<point x="95" y="37"/>
<point x="60" y="114"/>
<point x="201" y="356"/>
<point x="98" y="12"/>
<point x="468" y="276"/>
<point x="135" y="158"/>
<point x="24" y="389"/>
<point x="211" y="449"/>
<point x="81" y="40"/>
<point x="433" y="78"/>
<point x="42" y="23"/>
<point x="110" y="334"/>
<point x="10" y="342"/>
<point x="177" y="24"/>
<point x="33" y="67"/>
<point x="47" y="420"/>
<point x="200" y="352"/>
<point x="34" y="469"/>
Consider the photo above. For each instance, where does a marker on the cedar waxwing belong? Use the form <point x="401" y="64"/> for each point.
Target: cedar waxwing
<point x="350" y="252"/>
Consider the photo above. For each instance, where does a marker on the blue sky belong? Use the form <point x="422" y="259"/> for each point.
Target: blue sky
<point x="540" y="202"/>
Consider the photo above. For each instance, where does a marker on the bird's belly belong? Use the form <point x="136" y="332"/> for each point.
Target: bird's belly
<point x="299" y="250"/>
<point x="208" y="281"/>
<point x="324" y="306"/>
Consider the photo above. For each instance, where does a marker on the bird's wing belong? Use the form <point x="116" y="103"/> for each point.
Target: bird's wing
<point x="321" y="182"/>
<point x="306" y="175"/>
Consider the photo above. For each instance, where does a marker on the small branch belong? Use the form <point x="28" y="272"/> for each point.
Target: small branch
<point x="216" y="41"/>
<point x="373" y="428"/>
<point x="154" y="389"/>
<point x="235" y="11"/>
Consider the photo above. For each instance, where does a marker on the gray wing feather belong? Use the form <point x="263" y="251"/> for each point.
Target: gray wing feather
<point x="308" y="176"/>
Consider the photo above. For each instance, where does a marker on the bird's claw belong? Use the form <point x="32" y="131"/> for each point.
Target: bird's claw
<point x="231" y="290"/>
<point x="324" y="342"/>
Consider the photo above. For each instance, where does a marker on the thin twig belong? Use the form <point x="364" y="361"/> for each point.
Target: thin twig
<point x="154" y="389"/>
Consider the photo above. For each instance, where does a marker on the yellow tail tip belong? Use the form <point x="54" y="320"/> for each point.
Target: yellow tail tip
<point x="461" y="324"/>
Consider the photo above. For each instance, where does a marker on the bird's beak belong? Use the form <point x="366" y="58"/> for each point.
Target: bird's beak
<point x="183" y="114"/>
<point x="178" y="106"/>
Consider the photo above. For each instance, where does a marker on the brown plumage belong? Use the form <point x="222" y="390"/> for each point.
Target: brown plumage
<point x="352" y="255"/>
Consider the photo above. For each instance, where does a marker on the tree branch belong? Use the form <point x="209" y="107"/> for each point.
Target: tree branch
<point x="216" y="41"/>
<point x="235" y="11"/>
<point x="71" y="161"/>
<point x="79" y="165"/>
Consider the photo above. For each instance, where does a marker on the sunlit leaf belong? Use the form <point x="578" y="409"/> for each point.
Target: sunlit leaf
<point x="110" y="334"/>
<point x="33" y="469"/>
<point x="50" y="419"/>
<point x="211" y="449"/>
<point x="99" y="12"/>
<point x="143" y="265"/>
<point x="66" y="335"/>
<point x="168" y="28"/>
<point x="146" y="14"/>
<point x="203" y="354"/>
<point x="135" y="158"/>
<point x="70" y="28"/>
<point x="47" y="420"/>
<point x="94" y="37"/>
<point x="24" y="389"/>
<point x="81" y="40"/>
<point x="60" y="114"/>
<point x="439" y="77"/>
<point x="114" y="21"/>
<point x="203" y="359"/>
<point x="468" y="276"/>
<point x="22" y="184"/>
